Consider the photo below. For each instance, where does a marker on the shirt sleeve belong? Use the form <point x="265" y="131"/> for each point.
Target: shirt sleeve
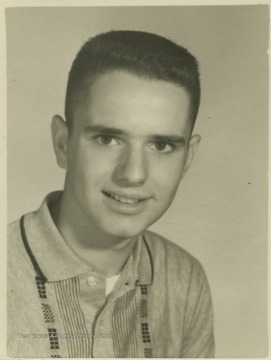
<point x="199" y="334"/>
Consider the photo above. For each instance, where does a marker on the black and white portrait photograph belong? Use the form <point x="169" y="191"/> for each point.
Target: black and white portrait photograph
<point x="137" y="180"/>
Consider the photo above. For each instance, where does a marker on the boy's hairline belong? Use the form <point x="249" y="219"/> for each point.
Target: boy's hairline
<point x="88" y="83"/>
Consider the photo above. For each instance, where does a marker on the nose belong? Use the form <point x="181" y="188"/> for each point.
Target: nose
<point x="132" y="169"/>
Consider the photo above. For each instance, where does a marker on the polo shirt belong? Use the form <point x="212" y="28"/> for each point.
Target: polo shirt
<point x="160" y="305"/>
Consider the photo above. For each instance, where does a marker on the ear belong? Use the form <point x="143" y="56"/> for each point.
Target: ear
<point x="192" y="149"/>
<point x="59" y="132"/>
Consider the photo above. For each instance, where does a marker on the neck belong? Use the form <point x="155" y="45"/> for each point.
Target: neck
<point x="103" y="252"/>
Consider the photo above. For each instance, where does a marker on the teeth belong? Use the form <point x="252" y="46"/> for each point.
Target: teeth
<point x="123" y="199"/>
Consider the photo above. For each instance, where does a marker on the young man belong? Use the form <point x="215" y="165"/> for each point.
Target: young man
<point x="85" y="277"/>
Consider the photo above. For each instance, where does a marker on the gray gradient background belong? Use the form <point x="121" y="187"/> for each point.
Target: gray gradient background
<point x="220" y="212"/>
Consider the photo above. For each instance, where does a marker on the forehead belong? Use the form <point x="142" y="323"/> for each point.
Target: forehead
<point x="119" y="98"/>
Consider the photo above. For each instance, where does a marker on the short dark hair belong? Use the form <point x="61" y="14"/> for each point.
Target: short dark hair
<point x="144" y="54"/>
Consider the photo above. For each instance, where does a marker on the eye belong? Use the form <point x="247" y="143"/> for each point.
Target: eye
<point x="162" y="147"/>
<point x="106" y="140"/>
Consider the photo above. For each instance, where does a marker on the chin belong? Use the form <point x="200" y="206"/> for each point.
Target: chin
<point x="123" y="233"/>
<point x="122" y="226"/>
<point x="124" y="230"/>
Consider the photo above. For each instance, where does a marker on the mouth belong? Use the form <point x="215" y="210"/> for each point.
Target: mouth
<point x="132" y="199"/>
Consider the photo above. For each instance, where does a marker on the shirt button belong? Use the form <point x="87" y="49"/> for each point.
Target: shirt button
<point x="91" y="281"/>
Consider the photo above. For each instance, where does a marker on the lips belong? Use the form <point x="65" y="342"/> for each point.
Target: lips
<point x="128" y="199"/>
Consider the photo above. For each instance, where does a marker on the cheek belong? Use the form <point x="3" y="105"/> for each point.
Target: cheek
<point x="171" y="169"/>
<point x="168" y="183"/>
<point x="85" y="159"/>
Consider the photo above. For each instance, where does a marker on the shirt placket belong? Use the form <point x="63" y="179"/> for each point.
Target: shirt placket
<point x="102" y="341"/>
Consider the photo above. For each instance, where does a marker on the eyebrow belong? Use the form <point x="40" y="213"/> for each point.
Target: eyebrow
<point x="172" y="139"/>
<point x="104" y="130"/>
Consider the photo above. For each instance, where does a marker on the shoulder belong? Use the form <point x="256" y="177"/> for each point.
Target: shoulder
<point x="172" y="257"/>
<point x="163" y="247"/>
<point x="13" y="230"/>
<point x="17" y="255"/>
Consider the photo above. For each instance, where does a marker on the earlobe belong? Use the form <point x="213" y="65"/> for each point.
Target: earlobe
<point x="192" y="149"/>
<point x="59" y="132"/>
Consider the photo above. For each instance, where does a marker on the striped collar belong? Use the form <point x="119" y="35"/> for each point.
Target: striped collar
<point x="57" y="262"/>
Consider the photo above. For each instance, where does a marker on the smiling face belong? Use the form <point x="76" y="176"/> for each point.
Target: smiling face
<point x="126" y="154"/>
